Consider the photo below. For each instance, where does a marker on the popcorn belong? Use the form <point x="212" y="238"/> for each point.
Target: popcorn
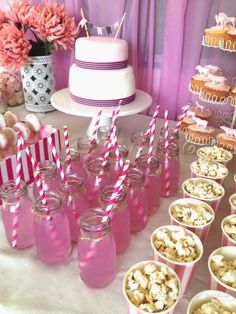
<point x="213" y="306"/>
<point x="192" y="214"/>
<point x="233" y="201"/>
<point x="214" y="153"/>
<point x="230" y="227"/>
<point x="224" y="270"/>
<point x="160" y="292"/>
<point x="184" y="247"/>
<point x="208" y="168"/>
<point x="203" y="189"/>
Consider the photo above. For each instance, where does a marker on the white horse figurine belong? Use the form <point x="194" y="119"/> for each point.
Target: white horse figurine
<point x="200" y="107"/>
<point x="221" y="19"/>
<point x="200" y="122"/>
<point x="202" y="70"/>
<point x="229" y="131"/>
<point x="190" y="114"/>
<point x="218" y="80"/>
<point x="213" y="68"/>
<point x="231" y="20"/>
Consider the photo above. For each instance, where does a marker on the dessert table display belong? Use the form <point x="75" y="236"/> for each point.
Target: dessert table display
<point x="29" y="286"/>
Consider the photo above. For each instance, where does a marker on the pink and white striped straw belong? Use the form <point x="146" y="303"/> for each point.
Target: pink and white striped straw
<point x="67" y="144"/>
<point x="153" y="121"/>
<point x="151" y="143"/>
<point x="181" y="118"/>
<point x="95" y="131"/>
<point x="166" y="127"/>
<point x="15" y="221"/>
<point x="117" y="189"/>
<point x="116" y="148"/>
<point x="166" y="141"/>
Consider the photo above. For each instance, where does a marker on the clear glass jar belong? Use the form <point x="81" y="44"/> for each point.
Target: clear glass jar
<point x="120" y="217"/>
<point x="102" y="138"/>
<point x="96" y="250"/>
<point x="136" y="198"/>
<point x="169" y="160"/>
<point x="173" y="137"/>
<point x="115" y="169"/>
<point x="94" y="181"/>
<point x="72" y="165"/>
<point x="48" y="175"/>
<point x="14" y="202"/>
<point x="136" y="142"/>
<point x="51" y="230"/>
<point x="74" y="202"/>
<point x="152" y="173"/>
<point x="87" y="149"/>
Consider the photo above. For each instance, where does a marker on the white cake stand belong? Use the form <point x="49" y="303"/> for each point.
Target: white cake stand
<point x="61" y="101"/>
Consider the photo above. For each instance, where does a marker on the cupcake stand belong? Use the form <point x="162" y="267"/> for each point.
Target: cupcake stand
<point x="61" y="101"/>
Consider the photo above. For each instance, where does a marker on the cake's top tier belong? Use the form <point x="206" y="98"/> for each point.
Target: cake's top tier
<point x="101" y="49"/>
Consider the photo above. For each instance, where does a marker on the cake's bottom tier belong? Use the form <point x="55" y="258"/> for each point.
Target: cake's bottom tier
<point x="102" y="87"/>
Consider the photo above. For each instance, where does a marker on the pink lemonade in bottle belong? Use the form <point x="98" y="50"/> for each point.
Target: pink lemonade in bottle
<point x="87" y="149"/>
<point x="96" y="250"/>
<point x="74" y="202"/>
<point x="12" y="201"/>
<point x="136" y="142"/>
<point x="51" y="230"/>
<point x="152" y="173"/>
<point x="115" y="168"/>
<point x="136" y="198"/>
<point x="48" y="175"/>
<point x="73" y="164"/>
<point x="120" y="218"/>
<point x="93" y="183"/>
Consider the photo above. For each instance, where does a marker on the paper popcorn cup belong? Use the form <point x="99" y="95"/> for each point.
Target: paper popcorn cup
<point x="133" y="309"/>
<point x="213" y="202"/>
<point x="226" y="239"/>
<point x="226" y="300"/>
<point x="232" y="201"/>
<point x="229" y="252"/>
<point x="202" y="230"/>
<point x="235" y="183"/>
<point x="219" y="179"/>
<point x="186" y="270"/>
<point x="201" y="154"/>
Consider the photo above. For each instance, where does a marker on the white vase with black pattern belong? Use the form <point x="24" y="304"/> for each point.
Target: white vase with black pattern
<point x="38" y="81"/>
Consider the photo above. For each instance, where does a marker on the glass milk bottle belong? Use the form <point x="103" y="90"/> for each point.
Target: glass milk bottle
<point x="170" y="173"/>
<point x="48" y="175"/>
<point x="96" y="250"/>
<point x="102" y="137"/>
<point x="114" y="164"/>
<point x="136" y="142"/>
<point x="74" y="202"/>
<point x="87" y="149"/>
<point x="17" y="201"/>
<point x="94" y="181"/>
<point x="120" y="218"/>
<point x="51" y="230"/>
<point x="173" y="137"/>
<point x="72" y="165"/>
<point x="136" y="198"/>
<point x="152" y="173"/>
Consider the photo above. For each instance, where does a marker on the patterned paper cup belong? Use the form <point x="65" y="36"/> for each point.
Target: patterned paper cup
<point x="235" y="183"/>
<point x="229" y="252"/>
<point x="200" y="230"/>
<point x="232" y="201"/>
<point x="184" y="270"/>
<point x="213" y="202"/>
<point x="226" y="239"/>
<point x="134" y="309"/>
<point x="226" y="301"/>
<point x="213" y="151"/>
<point x="219" y="178"/>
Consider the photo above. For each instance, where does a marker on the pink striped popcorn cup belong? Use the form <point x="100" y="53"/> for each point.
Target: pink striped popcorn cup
<point x="235" y="183"/>
<point x="133" y="280"/>
<point x="192" y="188"/>
<point x="184" y="270"/>
<point x="229" y="254"/>
<point x="201" y="230"/>
<point x="232" y="201"/>
<point x="227" y="224"/>
<point x="226" y="301"/>
<point x="215" y="153"/>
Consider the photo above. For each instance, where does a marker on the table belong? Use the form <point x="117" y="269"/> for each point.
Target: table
<point x="27" y="286"/>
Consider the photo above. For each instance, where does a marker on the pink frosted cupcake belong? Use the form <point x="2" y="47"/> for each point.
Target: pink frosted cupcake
<point x="201" y="111"/>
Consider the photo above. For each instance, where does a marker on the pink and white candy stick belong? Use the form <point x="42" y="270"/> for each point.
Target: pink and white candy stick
<point x="94" y="134"/>
<point x="67" y="144"/>
<point x="117" y="190"/>
<point x="181" y="118"/>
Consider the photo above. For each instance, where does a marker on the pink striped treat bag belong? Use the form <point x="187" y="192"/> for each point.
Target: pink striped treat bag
<point x="228" y="228"/>
<point x="220" y="276"/>
<point x="232" y="201"/>
<point x="184" y="269"/>
<point x="192" y="214"/>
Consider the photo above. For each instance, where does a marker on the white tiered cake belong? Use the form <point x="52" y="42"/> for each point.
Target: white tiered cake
<point x="100" y="75"/>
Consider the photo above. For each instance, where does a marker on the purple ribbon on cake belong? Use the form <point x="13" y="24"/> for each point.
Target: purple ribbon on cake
<point x="102" y="103"/>
<point x="102" y="65"/>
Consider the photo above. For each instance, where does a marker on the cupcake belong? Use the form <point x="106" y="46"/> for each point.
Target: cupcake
<point x="187" y="121"/>
<point x="230" y="40"/>
<point x="227" y="140"/>
<point x="215" y="90"/>
<point x="200" y="111"/>
<point x="214" y="36"/>
<point x="199" y="79"/>
<point x="200" y="132"/>
<point x="233" y="96"/>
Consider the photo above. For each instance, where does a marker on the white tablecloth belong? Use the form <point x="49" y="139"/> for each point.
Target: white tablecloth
<point x="27" y="286"/>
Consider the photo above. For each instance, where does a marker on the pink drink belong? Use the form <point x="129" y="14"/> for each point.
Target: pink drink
<point x="96" y="250"/>
<point x="87" y="149"/>
<point x="152" y="181"/>
<point x="136" y="199"/>
<point x="74" y="202"/>
<point x="10" y="199"/>
<point x="48" y="174"/>
<point x="120" y="218"/>
<point x="51" y="230"/>
<point x="72" y="165"/>
<point x="115" y="168"/>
